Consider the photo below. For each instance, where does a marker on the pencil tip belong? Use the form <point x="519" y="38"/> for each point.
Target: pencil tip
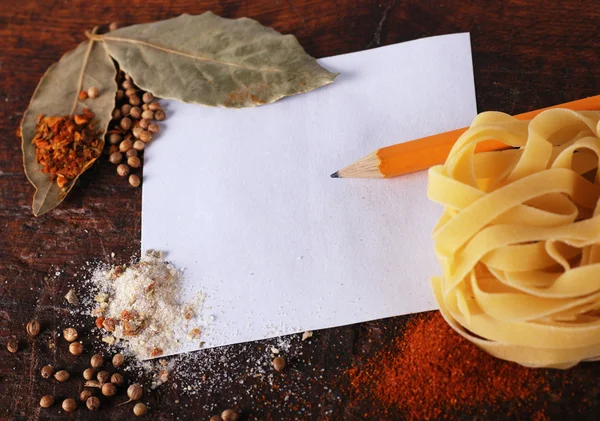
<point x="335" y="175"/>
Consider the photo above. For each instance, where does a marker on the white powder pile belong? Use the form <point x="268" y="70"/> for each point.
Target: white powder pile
<point x="139" y="307"/>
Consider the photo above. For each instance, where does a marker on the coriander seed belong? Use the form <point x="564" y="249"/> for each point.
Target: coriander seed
<point x="140" y="409"/>
<point x="132" y="152"/>
<point x="47" y="371"/>
<point x="145" y="136"/>
<point x="116" y="114"/>
<point x="120" y="94"/>
<point x="89" y="373"/>
<point x="70" y="334"/>
<point x="123" y="171"/>
<point x="279" y="364"/>
<point x="137" y="130"/>
<point x="126" y="123"/>
<point x="96" y="361"/>
<point x="115" y="157"/>
<point x="131" y="90"/>
<point x="114" y="138"/>
<point x="47" y="401"/>
<point x="125" y="108"/>
<point x="134" y="180"/>
<point x="125" y="145"/>
<point x="93" y="92"/>
<point x="69" y="405"/>
<point x="144" y="106"/>
<point x="134" y="162"/>
<point x="135" y="100"/>
<point x="127" y="84"/>
<point x="153" y="128"/>
<point x="149" y="114"/>
<point x="84" y="395"/>
<point x="116" y="379"/>
<point x="139" y="145"/>
<point x="103" y="376"/>
<point x="159" y="115"/>
<point x="144" y="123"/>
<point x="12" y="345"/>
<point x="109" y="389"/>
<point x="135" y="392"/>
<point x="61" y="376"/>
<point x="113" y="149"/>
<point x="148" y="97"/>
<point x="135" y="112"/>
<point x="76" y="348"/>
<point x="229" y="415"/>
<point x="113" y="26"/>
<point x="118" y="360"/>
<point x="216" y="418"/>
<point x="154" y="106"/>
<point x="33" y="328"/>
<point x="92" y="403"/>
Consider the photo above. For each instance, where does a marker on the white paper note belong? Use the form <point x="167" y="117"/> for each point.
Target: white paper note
<point x="242" y="199"/>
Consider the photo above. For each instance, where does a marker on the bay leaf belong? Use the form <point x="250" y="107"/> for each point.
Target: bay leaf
<point x="57" y="95"/>
<point x="214" y="61"/>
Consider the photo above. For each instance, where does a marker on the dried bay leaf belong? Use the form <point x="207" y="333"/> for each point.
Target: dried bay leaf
<point x="215" y="61"/>
<point x="57" y="95"/>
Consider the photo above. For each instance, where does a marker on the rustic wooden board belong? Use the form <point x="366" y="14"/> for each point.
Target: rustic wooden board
<point x="527" y="54"/>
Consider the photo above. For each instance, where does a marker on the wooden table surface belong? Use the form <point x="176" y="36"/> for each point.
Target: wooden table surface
<point x="526" y="54"/>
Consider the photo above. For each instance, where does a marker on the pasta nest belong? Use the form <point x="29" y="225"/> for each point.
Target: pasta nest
<point x="519" y="238"/>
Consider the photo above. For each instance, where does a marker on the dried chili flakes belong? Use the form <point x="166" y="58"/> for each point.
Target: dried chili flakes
<point x="66" y="146"/>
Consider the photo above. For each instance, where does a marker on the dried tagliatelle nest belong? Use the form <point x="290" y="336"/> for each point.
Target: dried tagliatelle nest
<point x="139" y="307"/>
<point x="519" y="239"/>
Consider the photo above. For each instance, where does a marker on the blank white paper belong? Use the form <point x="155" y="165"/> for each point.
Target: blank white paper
<point x="243" y="199"/>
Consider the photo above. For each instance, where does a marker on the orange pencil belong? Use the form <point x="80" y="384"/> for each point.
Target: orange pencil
<point x="420" y="154"/>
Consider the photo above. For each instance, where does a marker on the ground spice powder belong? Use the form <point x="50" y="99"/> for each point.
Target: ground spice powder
<point x="433" y="373"/>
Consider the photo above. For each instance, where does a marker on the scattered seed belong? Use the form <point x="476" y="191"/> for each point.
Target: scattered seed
<point x="116" y="379"/>
<point x="115" y="157"/>
<point x="229" y="415"/>
<point x="103" y="376"/>
<point x="118" y="360"/>
<point x="144" y="123"/>
<point x="89" y="373"/>
<point x="159" y="115"/>
<point x="85" y="395"/>
<point x="132" y="152"/>
<point x="61" y="376"/>
<point x="135" y="112"/>
<point x="93" y="92"/>
<point x="33" y="328"/>
<point x="134" y="162"/>
<point x="135" y="100"/>
<point x="126" y="123"/>
<point x="12" y="345"/>
<point x="47" y="371"/>
<point x="149" y="114"/>
<point x="134" y="180"/>
<point x="69" y="405"/>
<point x="47" y="401"/>
<point x="92" y="403"/>
<point x="114" y="138"/>
<point x="116" y="114"/>
<point x="96" y="361"/>
<point x="137" y="130"/>
<point x="140" y="409"/>
<point x="148" y="97"/>
<point x="109" y="389"/>
<point x="120" y="94"/>
<point x="70" y="334"/>
<point x="139" y="145"/>
<point x="154" y="106"/>
<point x="153" y="128"/>
<point x="145" y="136"/>
<point x="279" y="364"/>
<point x="76" y="348"/>
<point x="123" y="171"/>
<point x="125" y="145"/>
<point x="125" y="108"/>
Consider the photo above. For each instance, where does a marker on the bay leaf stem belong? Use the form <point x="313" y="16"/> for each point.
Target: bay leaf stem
<point x="82" y="73"/>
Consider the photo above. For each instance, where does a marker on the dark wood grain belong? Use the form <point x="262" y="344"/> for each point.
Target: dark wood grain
<point x="526" y="55"/>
